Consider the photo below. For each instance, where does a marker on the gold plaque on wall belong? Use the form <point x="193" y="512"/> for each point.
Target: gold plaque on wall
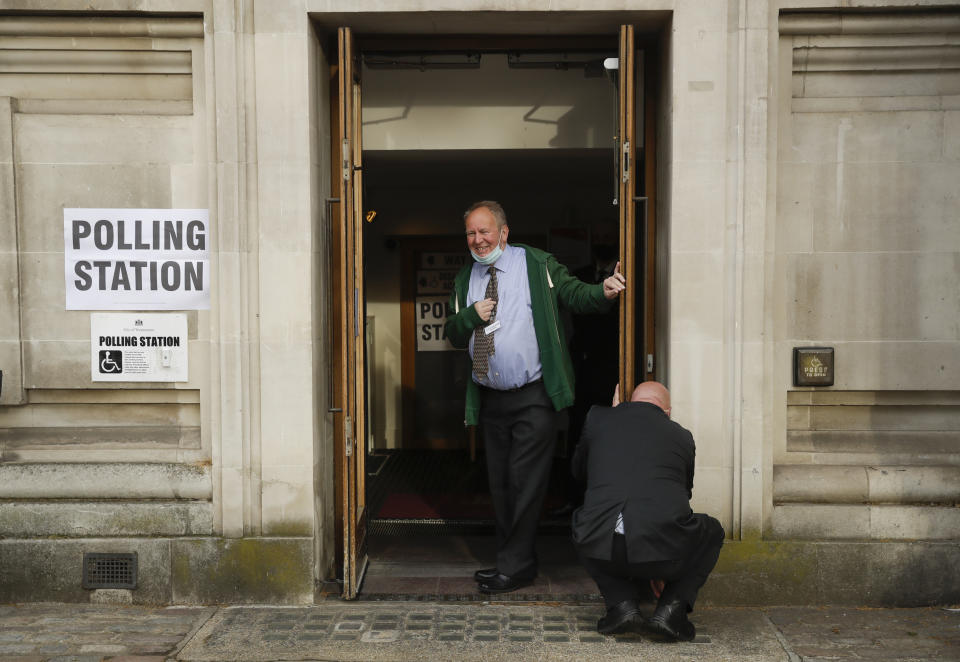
<point x="813" y="366"/>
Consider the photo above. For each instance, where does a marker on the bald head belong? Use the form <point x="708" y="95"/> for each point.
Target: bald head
<point x="653" y="392"/>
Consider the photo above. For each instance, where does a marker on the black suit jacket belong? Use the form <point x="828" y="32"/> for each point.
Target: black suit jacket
<point x="635" y="460"/>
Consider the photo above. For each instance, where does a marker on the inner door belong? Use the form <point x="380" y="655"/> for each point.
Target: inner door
<point x="349" y="388"/>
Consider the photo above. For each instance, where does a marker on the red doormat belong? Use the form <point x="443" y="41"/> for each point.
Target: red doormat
<point x="444" y="505"/>
<point x="401" y="505"/>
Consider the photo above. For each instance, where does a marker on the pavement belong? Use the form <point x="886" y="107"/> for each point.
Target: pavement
<point x="415" y="630"/>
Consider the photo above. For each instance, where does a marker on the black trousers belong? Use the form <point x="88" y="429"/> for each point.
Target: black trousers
<point x="683" y="578"/>
<point x="519" y="430"/>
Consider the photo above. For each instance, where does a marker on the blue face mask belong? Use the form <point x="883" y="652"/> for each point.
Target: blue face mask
<point x="492" y="256"/>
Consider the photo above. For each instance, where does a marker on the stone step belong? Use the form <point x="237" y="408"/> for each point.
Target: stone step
<point x="104" y="519"/>
<point x="105" y="481"/>
<point x="874" y="441"/>
<point x="112" y="436"/>
<point x="874" y="417"/>
<point x="896" y="397"/>
<point x="101" y="414"/>
<point x="820" y="521"/>
<point x="817" y="483"/>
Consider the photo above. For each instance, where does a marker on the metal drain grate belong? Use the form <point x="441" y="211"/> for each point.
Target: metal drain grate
<point x="109" y="570"/>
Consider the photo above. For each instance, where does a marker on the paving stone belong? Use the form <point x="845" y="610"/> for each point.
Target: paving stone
<point x="16" y="649"/>
<point x="103" y="649"/>
<point x="491" y="631"/>
<point x="60" y="649"/>
<point x="380" y="637"/>
<point x="486" y="637"/>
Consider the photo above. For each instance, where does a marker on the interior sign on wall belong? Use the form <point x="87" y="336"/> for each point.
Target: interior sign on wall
<point x="138" y="347"/>
<point x="136" y="259"/>
<point x="435" y="281"/>
<point x="437" y="271"/>
<point x="431" y="314"/>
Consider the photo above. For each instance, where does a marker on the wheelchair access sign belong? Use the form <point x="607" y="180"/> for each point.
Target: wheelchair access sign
<point x="138" y="347"/>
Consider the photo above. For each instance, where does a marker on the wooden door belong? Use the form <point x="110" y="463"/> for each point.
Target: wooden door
<point x="349" y="386"/>
<point x="626" y="145"/>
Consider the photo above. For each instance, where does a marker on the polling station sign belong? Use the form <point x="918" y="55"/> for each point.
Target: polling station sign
<point x="431" y="313"/>
<point x="136" y="259"/>
<point x="138" y="347"/>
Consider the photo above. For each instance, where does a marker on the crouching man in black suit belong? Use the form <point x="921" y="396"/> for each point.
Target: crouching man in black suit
<point x="636" y="522"/>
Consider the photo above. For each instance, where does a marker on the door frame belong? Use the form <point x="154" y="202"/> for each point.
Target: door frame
<point x="347" y="250"/>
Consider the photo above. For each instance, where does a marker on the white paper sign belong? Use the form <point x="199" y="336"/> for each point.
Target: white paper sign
<point x="431" y="314"/>
<point x="138" y="347"/>
<point x="136" y="259"/>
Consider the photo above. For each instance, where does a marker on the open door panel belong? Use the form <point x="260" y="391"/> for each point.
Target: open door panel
<point x="626" y="142"/>
<point x="349" y="350"/>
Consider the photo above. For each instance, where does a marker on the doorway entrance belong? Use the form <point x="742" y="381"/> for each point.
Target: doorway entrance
<point x="571" y="171"/>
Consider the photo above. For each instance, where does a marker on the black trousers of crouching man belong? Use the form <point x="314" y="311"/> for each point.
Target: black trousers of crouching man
<point x="683" y="578"/>
<point x="519" y="429"/>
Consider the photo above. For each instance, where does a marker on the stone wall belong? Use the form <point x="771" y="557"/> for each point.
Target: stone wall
<point x="136" y="112"/>
<point x="868" y="256"/>
<point x="807" y="166"/>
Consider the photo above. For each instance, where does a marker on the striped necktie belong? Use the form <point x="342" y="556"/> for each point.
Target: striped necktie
<point x="483" y="347"/>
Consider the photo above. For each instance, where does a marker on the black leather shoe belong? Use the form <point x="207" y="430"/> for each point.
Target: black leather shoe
<point x="670" y="620"/>
<point x="485" y="574"/>
<point x="501" y="583"/>
<point x="623" y="617"/>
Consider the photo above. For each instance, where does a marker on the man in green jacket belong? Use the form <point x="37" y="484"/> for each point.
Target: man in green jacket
<point x="505" y="309"/>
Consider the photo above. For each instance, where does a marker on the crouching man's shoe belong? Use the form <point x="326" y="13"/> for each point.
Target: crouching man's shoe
<point x="670" y="620"/>
<point x="623" y="617"/>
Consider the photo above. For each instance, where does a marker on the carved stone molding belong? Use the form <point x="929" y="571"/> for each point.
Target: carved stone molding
<point x="847" y="22"/>
<point x="56" y="26"/>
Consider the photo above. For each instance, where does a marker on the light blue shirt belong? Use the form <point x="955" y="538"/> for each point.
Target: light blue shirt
<point x="516" y="358"/>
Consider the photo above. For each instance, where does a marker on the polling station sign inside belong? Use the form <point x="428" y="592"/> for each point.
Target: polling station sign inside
<point x="136" y="259"/>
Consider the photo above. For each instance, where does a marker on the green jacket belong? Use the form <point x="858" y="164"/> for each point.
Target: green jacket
<point x="550" y="285"/>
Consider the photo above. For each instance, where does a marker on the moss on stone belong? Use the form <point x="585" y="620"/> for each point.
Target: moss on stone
<point x="754" y="571"/>
<point x="290" y="528"/>
<point x="242" y="570"/>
